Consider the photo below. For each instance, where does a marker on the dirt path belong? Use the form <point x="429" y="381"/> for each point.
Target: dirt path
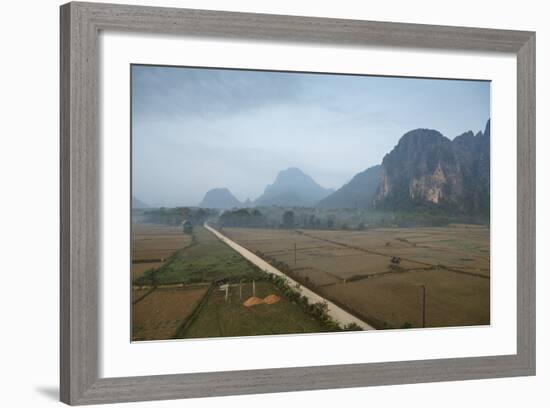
<point x="337" y="313"/>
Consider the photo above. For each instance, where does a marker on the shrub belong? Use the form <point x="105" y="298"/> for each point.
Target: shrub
<point x="352" y="327"/>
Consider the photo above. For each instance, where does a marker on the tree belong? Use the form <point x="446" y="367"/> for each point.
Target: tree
<point x="242" y="217"/>
<point x="256" y="218"/>
<point x="288" y="219"/>
<point x="183" y="212"/>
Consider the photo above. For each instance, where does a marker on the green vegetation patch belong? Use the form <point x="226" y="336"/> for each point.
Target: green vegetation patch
<point x="207" y="259"/>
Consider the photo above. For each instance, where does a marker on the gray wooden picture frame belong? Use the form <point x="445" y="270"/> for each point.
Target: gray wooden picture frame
<point x="80" y="189"/>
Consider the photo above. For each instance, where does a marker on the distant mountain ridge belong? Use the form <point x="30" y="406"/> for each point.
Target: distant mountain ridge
<point x="358" y="193"/>
<point x="425" y="170"/>
<point x="293" y="188"/>
<point x="219" y="198"/>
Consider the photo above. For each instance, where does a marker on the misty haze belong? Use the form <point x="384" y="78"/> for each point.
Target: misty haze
<point x="277" y="202"/>
<point x="239" y="129"/>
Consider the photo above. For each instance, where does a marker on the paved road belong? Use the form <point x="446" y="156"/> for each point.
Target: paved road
<point x="334" y="311"/>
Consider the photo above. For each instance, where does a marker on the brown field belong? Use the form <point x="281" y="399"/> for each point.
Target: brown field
<point x="153" y="244"/>
<point x="138" y="293"/>
<point x="138" y="269"/>
<point x="160" y="314"/>
<point x="353" y="269"/>
<point x="452" y="299"/>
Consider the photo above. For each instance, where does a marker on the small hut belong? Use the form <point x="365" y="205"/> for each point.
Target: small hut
<point x="395" y="260"/>
<point x="187" y="227"/>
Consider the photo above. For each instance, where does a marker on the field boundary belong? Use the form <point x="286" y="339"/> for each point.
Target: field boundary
<point x="151" y="290"/>
<point x="167" y="261"/>
<point x="193" y="316"/>
<point x="369" y="251"/>
<point x="150" y="260"/>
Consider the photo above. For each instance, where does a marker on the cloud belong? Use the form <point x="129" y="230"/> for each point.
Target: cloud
<point x="163" y="92"/>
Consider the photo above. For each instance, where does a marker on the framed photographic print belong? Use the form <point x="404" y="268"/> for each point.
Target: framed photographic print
<point x="258" y="203"/>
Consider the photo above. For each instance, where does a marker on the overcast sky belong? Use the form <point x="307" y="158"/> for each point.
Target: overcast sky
<point x="196" y="129"/>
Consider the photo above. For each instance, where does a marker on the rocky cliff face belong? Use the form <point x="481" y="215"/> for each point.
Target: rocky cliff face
<point x="427" y="169"/>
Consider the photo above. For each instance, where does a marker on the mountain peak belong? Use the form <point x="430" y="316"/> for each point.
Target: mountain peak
<point x="292" y="170"/>
<point x="220" y="198"/>
<point x="292" y="188"/>
<point x="421" y="136"/>
<point x="291" y="174"/>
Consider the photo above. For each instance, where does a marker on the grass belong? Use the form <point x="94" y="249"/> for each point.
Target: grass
<point x="205" y="260"/>
<point x="219" y="318"/>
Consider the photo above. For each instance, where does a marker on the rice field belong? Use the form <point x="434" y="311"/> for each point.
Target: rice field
<point x="182" y="299"/>
<point x="354" y="270"/>
<point x="160" y="314"/>
<point x="152" y="245"/>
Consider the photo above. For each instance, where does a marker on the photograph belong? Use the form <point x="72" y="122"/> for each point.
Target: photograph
<point x="277" y="202"/>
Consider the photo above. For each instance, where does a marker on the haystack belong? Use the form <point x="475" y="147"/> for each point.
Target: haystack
<point x="253" y="301"/>
<point x="271" y="299"/>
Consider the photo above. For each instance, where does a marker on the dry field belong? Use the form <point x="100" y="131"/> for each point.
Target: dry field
<point x="153" y="244"/>
<point x="160" y="314"/>
<point x="353" y="269"/>
<point x="182" y="302"/>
